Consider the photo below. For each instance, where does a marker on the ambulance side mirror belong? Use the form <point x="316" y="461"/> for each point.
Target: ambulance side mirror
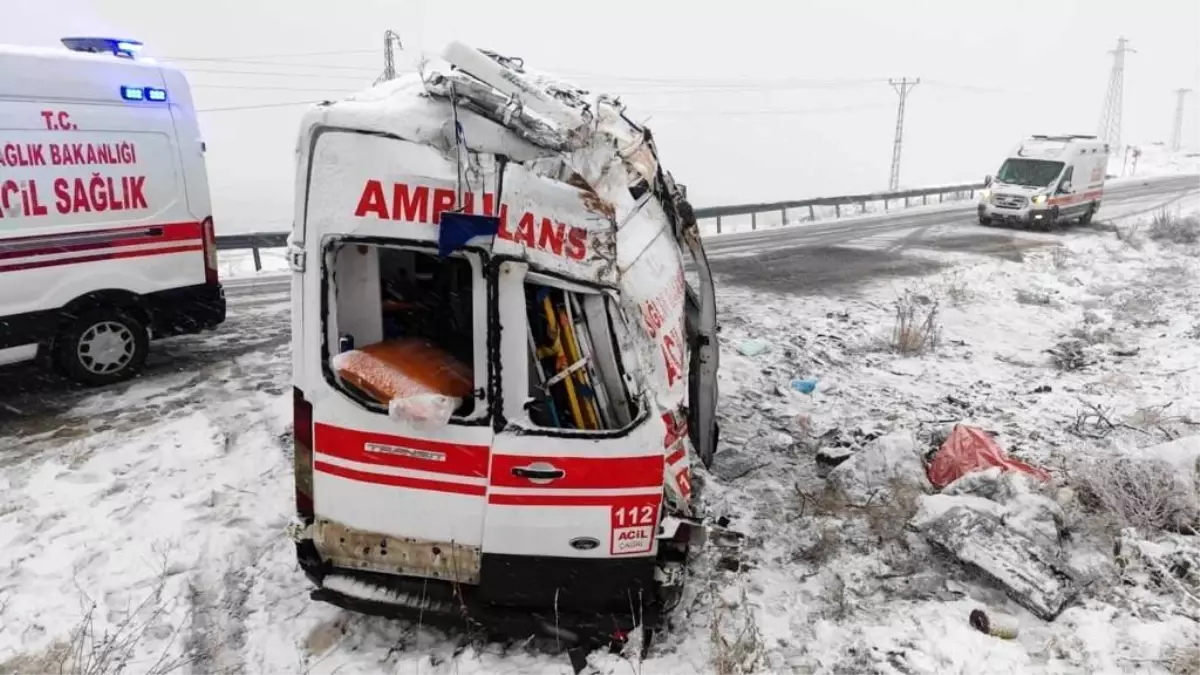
<point x="1065" y="186"/>
<point x="987" y="180"/>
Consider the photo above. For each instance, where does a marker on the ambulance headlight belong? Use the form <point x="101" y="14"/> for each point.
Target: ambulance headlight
<point x="1038" y="200"/>
<point x="985" y="194"/>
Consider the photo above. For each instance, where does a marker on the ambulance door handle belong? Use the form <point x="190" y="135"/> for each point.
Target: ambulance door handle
<point x="538" y="473"/>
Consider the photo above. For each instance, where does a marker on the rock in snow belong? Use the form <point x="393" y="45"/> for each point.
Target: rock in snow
<point x="886" y="463"/>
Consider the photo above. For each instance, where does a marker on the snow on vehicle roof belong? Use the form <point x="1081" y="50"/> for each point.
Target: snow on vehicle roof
<point x="546" y="117"/>
<point x="61" y="53"/>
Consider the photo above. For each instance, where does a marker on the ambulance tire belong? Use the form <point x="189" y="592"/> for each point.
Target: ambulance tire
<point x="102" y="346"/>
<point x="1086" y="219"/>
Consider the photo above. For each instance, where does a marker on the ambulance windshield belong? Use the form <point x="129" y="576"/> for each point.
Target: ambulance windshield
<point x="1029" y="172"/>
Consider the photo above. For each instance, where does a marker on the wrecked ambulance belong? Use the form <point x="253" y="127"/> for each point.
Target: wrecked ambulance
<point x="502" y="375"/>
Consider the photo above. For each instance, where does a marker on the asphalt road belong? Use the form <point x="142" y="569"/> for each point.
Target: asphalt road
<point x="820" y="258"/>
<point x="812" y="248"/>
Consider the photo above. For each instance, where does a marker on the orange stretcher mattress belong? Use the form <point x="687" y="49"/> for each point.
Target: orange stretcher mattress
<point x="398" y="369"/>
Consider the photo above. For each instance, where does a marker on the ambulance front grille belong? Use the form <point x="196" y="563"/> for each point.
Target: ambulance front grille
<point x="1009" y="201"/>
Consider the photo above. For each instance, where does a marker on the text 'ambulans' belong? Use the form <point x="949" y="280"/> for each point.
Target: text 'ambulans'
<point x="424" y="204"/>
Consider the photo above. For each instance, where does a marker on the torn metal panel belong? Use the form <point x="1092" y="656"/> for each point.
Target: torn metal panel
<point x="371" y="551"/>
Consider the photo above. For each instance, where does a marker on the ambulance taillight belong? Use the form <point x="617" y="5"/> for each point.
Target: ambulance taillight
<point x="302" y="456"/>
<point x="210" y="252"/>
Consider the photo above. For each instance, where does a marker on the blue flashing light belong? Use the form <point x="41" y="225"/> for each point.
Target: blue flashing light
<point x="103" y="45"/>
<point x="134" y="93"/>
<point x="153" y="94"/>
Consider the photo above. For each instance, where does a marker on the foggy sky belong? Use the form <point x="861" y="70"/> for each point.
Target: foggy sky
<point x="719" y="82"/>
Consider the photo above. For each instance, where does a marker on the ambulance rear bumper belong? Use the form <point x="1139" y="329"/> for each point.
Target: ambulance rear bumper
<point x="578" y="601"/>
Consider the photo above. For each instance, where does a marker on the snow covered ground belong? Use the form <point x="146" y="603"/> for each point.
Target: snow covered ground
<point x="147" y="526"/>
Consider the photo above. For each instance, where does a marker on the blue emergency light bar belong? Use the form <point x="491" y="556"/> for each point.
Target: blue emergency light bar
<point x="143" y="94"/>
<point x="101" y="45"/>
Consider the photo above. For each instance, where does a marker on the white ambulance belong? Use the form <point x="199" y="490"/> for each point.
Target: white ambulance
<point x="502" y="375"/>
<point x="106" y="230"/>
<point x="1046" y="181"/>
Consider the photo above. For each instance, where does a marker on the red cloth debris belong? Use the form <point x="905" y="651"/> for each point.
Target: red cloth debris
<point x="969" y="449"/>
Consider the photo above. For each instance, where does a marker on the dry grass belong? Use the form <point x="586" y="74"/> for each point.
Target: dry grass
<point x="917" y="328"/>
<point x="1174" y="229"/>
<point x="1144" y="493"/>
<point x="111" y="649"/>
<point x="887" y="518"/>
<point x="1131" y="235"/>
<point x="954" y="286"/>
<point x="1182" y="659"/>
<point x="735" y="638"/>
<point x="1061" y="256"/>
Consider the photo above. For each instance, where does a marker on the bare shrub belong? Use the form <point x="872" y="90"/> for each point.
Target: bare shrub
<point x="917" y="328"/>
<point x="110" y="650"/>
<point x="1174" y="229"/>
<point x="1131" y="235"/>
<point x="887" y="517"/>
<point x="736" y="640"/>
<point x="1061" y="256"/>
<point x="1138" y="492"/>
<point x="956" y="289"/>
<point x="1070" y="355"/>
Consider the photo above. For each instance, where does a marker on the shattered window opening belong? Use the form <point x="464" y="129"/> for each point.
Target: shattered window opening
<point x="575" y="377"/>
<point x="401" y="331"/>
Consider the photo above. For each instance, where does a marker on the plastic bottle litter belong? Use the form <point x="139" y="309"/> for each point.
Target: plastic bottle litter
<point x="1003" y="626"/>
<point x="806" y="386"/>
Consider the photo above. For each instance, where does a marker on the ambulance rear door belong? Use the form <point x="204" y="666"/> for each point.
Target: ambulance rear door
<point x="388" y="495"/>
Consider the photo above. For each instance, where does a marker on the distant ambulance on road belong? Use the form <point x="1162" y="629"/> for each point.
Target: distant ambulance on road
<point x="106" y="229"/>
<point x="1047" y="180"/>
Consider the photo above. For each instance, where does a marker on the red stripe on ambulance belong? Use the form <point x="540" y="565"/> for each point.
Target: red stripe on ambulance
<point x="582" y="472"/>
<point x="95" y="240"/>
<point x="399" y="481"/>
<point x="456" y="459"/>
<point x="116" y="255"/>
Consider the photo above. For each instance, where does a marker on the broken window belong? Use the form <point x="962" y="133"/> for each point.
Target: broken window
<point x="402" y="331"/>
<point x="576" y="379"/>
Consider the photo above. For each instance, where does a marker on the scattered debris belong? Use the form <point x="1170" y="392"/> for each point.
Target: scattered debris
<point x="998" y="625"/>
<point x="975" y="530"/>
<point x="753" y="347"/>
<point x="877" y="470"/>
<point x="806" y="386"/>
<point x="970" y="449"/>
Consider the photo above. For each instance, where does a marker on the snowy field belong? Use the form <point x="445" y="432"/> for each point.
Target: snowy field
<point x="143" y="529"/>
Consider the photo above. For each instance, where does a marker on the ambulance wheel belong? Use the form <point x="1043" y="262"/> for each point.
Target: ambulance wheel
<point x="1088" y="215"/>
<point x="102" y="346"/>
<point x="985" y="221"/>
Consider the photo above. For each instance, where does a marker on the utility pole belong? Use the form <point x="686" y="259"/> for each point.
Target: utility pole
<point x="389" y="56"/>
<point x="1110" y="117"/>
<point x="903" y="87"/>
<point x="1177" y="132"/>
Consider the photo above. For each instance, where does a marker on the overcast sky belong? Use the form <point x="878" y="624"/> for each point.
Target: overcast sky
<point x="750" y="100"/>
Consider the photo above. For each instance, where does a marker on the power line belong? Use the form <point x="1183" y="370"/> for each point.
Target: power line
<point x="1110" y="117"/>
<point x="781" y="111"/>
<point x="268" y="87"/>
<point x="258" y="106"/>
<point x="269" y="73"/>
<point x="903" y="89"/>
<point x="267" y="56"/>
<point x="252" y="62"/>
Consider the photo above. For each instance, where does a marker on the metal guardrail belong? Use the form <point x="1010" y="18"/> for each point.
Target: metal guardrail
<point x="260" y="240"/>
